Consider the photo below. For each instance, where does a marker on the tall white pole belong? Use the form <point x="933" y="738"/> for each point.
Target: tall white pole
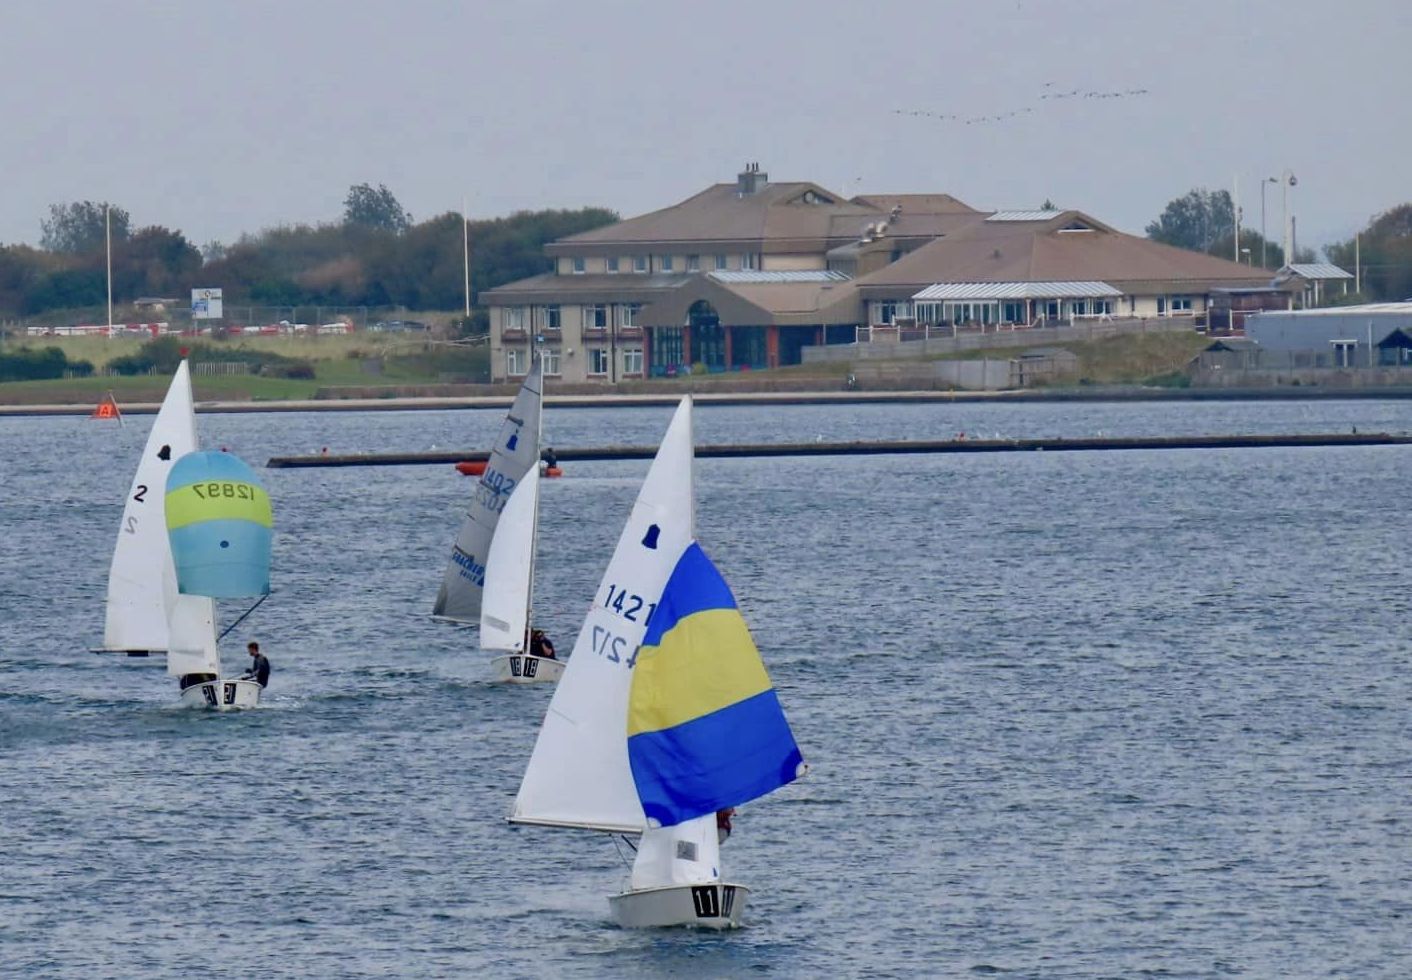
<point x="108" y="248"/>
<point x="1235" y="213"/>
<point x="466" y="252"/>
<point x="1357" y="263"/>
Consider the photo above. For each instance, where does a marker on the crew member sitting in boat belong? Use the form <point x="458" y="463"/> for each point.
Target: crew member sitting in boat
<point x="540" y="645"/>
<point x="723" y="824"/>
<point x="259" y="668"/>
<point x="191" y="680"/>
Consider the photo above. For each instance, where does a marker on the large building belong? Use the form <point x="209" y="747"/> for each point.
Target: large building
<point x="744" y="275"/>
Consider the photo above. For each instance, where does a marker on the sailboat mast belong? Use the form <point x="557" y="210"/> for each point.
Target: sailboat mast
<point x="534" y="533"/>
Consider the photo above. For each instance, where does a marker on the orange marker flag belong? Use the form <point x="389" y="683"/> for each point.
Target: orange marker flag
<point x="108" y="409"/>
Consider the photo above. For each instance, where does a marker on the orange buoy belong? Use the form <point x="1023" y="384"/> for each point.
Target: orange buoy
<point x="471" y="467"/>
<point x="553" y="471"/>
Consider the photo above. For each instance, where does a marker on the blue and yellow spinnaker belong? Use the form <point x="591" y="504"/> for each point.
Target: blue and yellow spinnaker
<point x="705" y="728"/>
<point x="220" y="526"/>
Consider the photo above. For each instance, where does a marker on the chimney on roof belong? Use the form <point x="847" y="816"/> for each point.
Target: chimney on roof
<point x="892" y="215"/>
<point x="750" y="180"/>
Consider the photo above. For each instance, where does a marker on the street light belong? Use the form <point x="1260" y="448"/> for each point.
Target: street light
<point x="1287" y="181"/>
<point x="1264" y="263"/>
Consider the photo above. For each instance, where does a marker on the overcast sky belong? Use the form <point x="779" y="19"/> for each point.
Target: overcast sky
<point x="219" y="118"/>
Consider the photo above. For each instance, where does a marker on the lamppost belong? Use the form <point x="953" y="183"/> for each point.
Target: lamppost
<point x="1264" y="263"/>
<point x="1287" y="181"/>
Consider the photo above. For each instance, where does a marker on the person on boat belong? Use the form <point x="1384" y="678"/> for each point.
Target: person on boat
<point x="723" y="823"/>
<point x="259" y="667"/>
<point x="541" y="645"/>
<point x="551" y="459"/>
<point x="191" y="680"/>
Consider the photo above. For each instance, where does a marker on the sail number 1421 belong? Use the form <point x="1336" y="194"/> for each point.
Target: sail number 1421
<point x="629" y="606"/>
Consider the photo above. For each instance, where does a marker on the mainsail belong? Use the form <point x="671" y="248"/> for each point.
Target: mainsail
<point x="515" y="453"/>
<point x="141" y="579"/>
<point x="578" y="774"/>
<point x="509" y="570"/>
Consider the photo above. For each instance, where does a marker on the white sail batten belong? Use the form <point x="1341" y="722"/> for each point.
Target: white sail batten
<point x="142" y="577"/>
<point x="578" y="774"/>
<point x="515" y="453"/>
<point x="509" y="570"/>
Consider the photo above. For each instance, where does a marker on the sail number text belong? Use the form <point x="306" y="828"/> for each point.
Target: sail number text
<point x="629" y="606"/>
<point x="217" y="488"/>
<point x="613" y="648"/>
<point x="493" y="490"/>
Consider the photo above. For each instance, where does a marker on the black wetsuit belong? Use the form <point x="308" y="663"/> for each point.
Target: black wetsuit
<point x="260" y="670"/>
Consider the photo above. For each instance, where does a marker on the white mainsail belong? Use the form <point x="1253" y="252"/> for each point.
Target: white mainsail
<point x="509" y="570"/>
<point x="515" y="453"/>
<point x="578" y="774"/>
<point x="142" y="578"/>
<point x="192" y="648"/>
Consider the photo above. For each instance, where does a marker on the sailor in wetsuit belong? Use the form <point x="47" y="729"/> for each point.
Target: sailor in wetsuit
<point x="259" y="668"/>
<point x="541" y="645"/>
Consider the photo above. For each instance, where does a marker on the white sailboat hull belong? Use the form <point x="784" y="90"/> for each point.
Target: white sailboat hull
<point x="711" y="906"/>
<point x="229" y="694"/>
<point x="527" y="669"/>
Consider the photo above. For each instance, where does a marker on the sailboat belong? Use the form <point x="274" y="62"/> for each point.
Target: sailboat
<point x="665" y="715"/>
<point x="507" y="602"/>
<point x="489" y="578"/>
<point x="141" y="576"/>
<point x="220" y="527"/>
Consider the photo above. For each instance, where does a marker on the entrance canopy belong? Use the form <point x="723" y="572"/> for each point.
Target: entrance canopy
<point x="1015" y="290"/>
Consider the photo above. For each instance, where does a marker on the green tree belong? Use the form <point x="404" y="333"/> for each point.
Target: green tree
<point x="1384" y="249"/>
<point x="374" y="208"/>
<point x="1197" y="220"/>
<point x="80" y="228"/>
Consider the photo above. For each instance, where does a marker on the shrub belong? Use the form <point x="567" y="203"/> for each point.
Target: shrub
<point x="27" y="364"/>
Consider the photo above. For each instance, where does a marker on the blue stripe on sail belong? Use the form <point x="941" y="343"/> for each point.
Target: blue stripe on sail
<point x="724" y="759"/>
<point x="695" y="585"/>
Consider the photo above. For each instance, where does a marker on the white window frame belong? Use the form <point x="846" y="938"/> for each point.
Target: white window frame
<point x="667" y="262"/>
<point x="514" y="362"/>
<point x="513" y="318"/>
<point x="750" y="260"/>
<point x="551" y="317"/>
<point x="640" y="263"/>
<point x="1179" y="304"/>
<point x="576" y="265"/>
<point x="599" y="360"/>
<point x="630" y="312"/>
<point x="632" y="360"/>
<point x="549" y="357"/>
<point x="722" y="262"/>
<point x="693" y="263"/>
<point x="595" y="316"/>
<point x="611" y="263"/>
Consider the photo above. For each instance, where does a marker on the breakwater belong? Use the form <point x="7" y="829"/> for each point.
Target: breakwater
<point x="874" y="448"/>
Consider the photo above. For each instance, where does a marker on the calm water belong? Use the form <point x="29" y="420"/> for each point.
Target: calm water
<point x="1069" y="714"/>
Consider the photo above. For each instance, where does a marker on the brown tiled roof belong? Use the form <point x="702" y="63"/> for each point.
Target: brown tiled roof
<point x="1042" y="251"/>
<point x="758" y="304"/>
<point x="598" y="288"/>
<point x="916" y="203"/>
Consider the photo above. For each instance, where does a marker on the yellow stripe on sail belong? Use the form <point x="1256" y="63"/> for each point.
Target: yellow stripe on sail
<point x="210" y="501"/>
<point x="703" y="664"/>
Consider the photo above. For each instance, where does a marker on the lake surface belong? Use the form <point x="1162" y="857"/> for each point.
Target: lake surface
<point x="1068" y="714"/>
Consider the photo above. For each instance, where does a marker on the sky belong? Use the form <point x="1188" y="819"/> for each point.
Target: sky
<point x="222" y="118"/>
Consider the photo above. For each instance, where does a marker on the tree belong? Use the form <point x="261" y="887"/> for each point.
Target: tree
<point x="1196" y="221"/>
<point x="80" y="228"/>
<point x="1384" y="251"/>
<point x="374" y="208"/>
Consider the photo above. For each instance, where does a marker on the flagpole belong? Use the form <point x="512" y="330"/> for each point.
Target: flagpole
<point x="466" y="252"/>
<point x="108" y="244"/>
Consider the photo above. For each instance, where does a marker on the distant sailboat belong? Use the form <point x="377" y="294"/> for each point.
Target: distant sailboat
<point x="507" y="605"/>
<point x="220" y="526"/>
<point x="141" y="577"/>
<point x="665" y="715"/>
<point x="515" y="453"/>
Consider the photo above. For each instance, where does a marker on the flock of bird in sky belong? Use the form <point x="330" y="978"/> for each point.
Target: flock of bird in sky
<point x="1047" y="96"/>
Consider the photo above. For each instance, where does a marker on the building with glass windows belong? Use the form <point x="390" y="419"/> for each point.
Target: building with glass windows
<point x="744" y="275"/>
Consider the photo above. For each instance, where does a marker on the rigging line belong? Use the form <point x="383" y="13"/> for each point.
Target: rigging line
<point x="242" y="617"/>
<point x="617" y="847"/>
